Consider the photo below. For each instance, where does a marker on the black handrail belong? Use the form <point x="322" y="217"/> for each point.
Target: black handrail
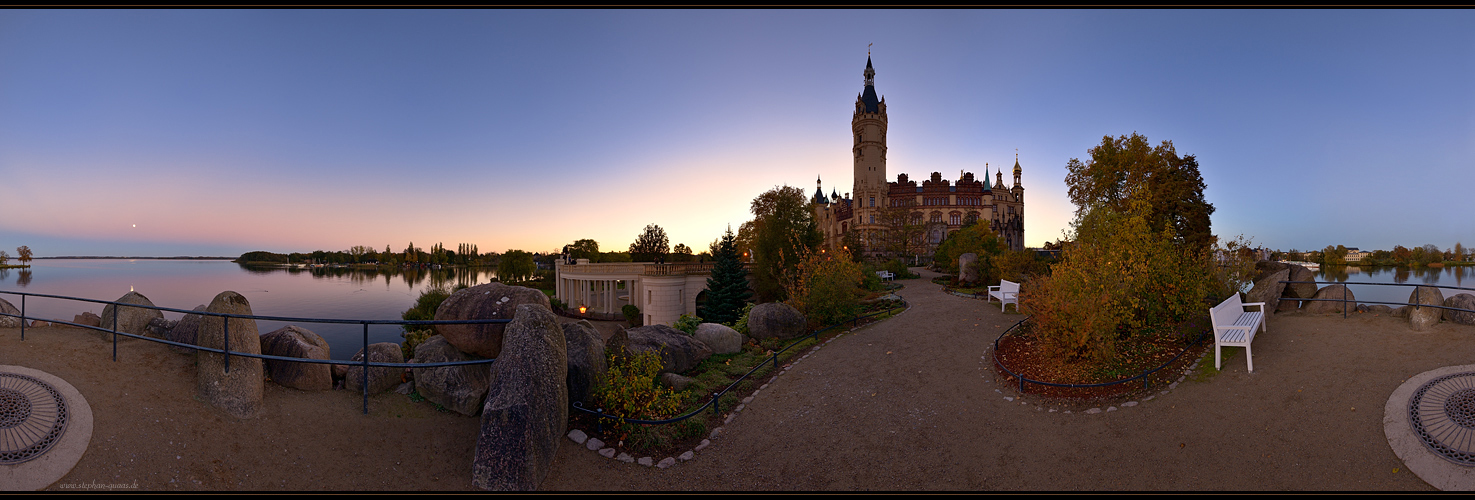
<point x="715" y="401"/>
<point x="1145" y="382"/>
<point x="1344" y="300"/>
<point x="227" y="352"/>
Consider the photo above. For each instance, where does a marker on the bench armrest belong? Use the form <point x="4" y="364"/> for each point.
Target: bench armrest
<point x="1261" y="304"/>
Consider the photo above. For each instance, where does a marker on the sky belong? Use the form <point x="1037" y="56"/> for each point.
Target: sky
<point x="218" y="132"/>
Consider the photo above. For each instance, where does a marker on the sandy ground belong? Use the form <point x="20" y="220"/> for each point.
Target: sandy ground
<point x="906" y="404"/>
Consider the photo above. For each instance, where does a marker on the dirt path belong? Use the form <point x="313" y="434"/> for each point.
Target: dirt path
<point x="906" y="404"/>
<point x="911" y="404"/>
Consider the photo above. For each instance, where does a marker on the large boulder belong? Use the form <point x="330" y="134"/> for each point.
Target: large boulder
<point x="526" y="411"/>
<point x="967" y="273"/>
<point x="295" y="342"/>
<point x="1301" y="290"/>
<point x="1334" y="304"/>
<point x="186" y="331"/>
<point x="587" y="365"/>
<point x="1265" y="267"/>
<point x="134" y="320"/>
<point x="381" y="378"/>
<point x="1460" y="301"/>
<point x="1421" y="318"/>
<point x="720" y="338"/>
<point x="679" y="352"/>
<point x="238" y="391"/>
<point x="9" y="321"/>
<point x="775" y="319"/>
<point x="489" y="301"/>
<point x="159" y="327"/>
<point x="461" y="388"/>
<point x="1268" y="289"/>
<point x="1288" y="305"/>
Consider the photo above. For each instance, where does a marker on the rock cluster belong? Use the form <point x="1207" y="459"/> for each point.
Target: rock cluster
<point x="679" y="352"/>
<point x="458" y="388"/>
<point x="134" y="320"/>
<point x="489" y="301"/>
<point x="380" y="379"/>
<point x="1460" y="301"/>
<point x="295" y="342"/>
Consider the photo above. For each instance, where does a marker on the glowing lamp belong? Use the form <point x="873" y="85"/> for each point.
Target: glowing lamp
<point x="583" y="309"/>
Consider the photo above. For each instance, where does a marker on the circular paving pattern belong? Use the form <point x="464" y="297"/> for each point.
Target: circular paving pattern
<point x="1442" y="414"/>
<point x="33" y="416"/>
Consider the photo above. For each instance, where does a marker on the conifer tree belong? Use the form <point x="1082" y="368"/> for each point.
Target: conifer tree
<point x="727" y="289"/>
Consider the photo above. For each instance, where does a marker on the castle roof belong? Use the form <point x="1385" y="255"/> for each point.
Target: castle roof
<point x="868" y="96"/>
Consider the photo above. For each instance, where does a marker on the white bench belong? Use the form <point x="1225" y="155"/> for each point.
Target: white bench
<point x="886" y="275"/>
<point x="1007" y="292"/>
<point x="1235" y="327"/>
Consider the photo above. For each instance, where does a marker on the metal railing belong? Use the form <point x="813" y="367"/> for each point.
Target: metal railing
<point x="1146" y="383"/>
<point x="365" y="364"/>
<point x="715" y="402"/>
<point x="1345" y="290"/>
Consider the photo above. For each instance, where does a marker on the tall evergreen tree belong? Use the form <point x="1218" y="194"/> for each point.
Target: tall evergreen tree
<point x="727" y="289"/>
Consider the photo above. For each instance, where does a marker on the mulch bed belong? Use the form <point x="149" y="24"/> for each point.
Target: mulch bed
<point x="1022" y="355"/>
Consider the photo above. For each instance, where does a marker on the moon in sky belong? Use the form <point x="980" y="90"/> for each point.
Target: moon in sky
<point x="135" y="225"/>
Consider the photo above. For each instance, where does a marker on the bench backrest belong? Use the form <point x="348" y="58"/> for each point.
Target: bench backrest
<point x="1008" y="286"/>
<point x="1227" y="312"/>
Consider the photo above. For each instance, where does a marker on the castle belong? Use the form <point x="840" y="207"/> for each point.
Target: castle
<point x="887" y="219"/>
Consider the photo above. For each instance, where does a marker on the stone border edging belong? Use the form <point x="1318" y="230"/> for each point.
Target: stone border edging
<point x="1433" y="469"/>
<point x="598" y="446"/>
<point x="45" y="470"/>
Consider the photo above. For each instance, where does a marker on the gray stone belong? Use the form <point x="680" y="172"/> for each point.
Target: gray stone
<point x="679" y="352"/>
<point x="462" y="388"/>
<point x="239" y="391"/>
<point x="720" y="338"/>
<point x="89" y="319"/>
<point x="381" y="378"/>
<point x="1379" y="309"/>
<point x="1362" y="308"/>
<point x="292" y="341"/>
<point x="159" y="327"/>
<point x="9" y="321"/>
<point x="134" y="320"/>
<point x="489" y="301"/>
<point x="676" y="382"/>
<point x="1094" y="411"/>
<point x="666" y="463"/>
<point x="405" y="388"/>
<point x="607" y="452"/>
<point x="1401" y="311"/>
<point x="587" y="364"/>
<point x="625" y="458"/>
<point x="705" y="443"/>
<point x="1462" y="301"/>
<point x="578" y="436"/>
<point x="1422" y="318"/>
<point x="1339" y="297"/>
<point x="1301" y="290"/>
<point x="687" y="456"/>
<point x="186" y="331"/>
<point x="594" y="444"/>
<point x="1268" y="289"/>
<point x="967" y="272"/>
<point x="775" y="319"/>
<point x="526" y="410"/>
<point x="646" y="461"/>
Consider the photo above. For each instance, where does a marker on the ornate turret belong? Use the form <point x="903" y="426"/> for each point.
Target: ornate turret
<point x="1017" y="170"/>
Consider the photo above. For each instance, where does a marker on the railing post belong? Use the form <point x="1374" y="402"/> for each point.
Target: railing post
<point x="599" y="420"/>
<point x="1344" y="300"/>
<point x="115" y="337"/>
<point x="224" y="321"/>
<point x="23" y="317"/>
<point x="365" y="378"/>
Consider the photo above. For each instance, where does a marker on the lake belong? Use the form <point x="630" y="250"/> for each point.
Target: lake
<point x="1442" y="277"/>
<point x="184" y="284"/>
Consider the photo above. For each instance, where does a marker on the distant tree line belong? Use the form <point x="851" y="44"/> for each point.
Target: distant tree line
<point x="466" y="254"/>
<point x="1399" y="256"/>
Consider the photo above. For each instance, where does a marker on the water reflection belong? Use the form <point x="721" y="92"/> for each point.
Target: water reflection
<point x="24" y="278"/>
<point x="413" y="278"/>
<point x="1400" y="275"/>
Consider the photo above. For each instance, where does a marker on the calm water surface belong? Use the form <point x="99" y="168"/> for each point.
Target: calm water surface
<point x="1448" y="279"/>
<point x="184" y="284"/>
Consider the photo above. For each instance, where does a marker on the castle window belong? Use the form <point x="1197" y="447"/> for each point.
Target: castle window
<point x="936" y="217"/>
<point x="954" y="219"/>
<point x="873" y="218"/>
<point x="873" y="201"/>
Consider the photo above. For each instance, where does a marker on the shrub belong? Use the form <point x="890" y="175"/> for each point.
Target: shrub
<point x="899" y="269"/>
<point x="629" y="390"/>
<point x="826" y="287"/>
<point x="423" y="310"/>
<point x="632" y="314"/>
<point x="741" y="325"/>
<point x="687" y="323"/>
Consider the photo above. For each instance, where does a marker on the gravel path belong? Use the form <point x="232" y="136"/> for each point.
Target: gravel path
<point x="911" y="404"/>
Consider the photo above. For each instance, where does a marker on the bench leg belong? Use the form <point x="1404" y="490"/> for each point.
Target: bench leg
<point x="1216" y="356"/>
<point x="1249" y="360"/>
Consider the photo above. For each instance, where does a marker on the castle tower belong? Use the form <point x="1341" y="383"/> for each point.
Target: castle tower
<point x="868" y="126"/>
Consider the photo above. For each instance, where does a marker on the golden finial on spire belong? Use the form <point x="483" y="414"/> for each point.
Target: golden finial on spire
<point x="868" y="49"/>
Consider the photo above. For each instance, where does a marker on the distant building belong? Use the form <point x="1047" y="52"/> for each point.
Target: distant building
<point x="938" y="206"/>
<point x="1355" y="255"/>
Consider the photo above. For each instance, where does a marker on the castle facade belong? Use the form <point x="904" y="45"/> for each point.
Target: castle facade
<point x="882" y="219"/>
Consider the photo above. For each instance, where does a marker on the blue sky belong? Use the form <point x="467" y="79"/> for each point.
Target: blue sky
<point x="217" y="132"/>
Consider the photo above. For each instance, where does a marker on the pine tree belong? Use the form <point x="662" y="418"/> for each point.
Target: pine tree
<point x="727" y="289"/>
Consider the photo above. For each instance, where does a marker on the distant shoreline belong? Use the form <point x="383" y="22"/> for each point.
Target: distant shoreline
<point x="131" y="258"/>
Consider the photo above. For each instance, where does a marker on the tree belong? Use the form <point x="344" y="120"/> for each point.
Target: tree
<point x="1459" y="251"/>
<point x="4" y="257"/>
<point x="650" y="245"/>
<point x="1127" y="168"/>
<point x="977" y="239"/>
<point x="681" y="253"/>
<point x="584" y="249"/>
<point x="1334" y="255"/>
<point x="784" y="234"/>
<point x="515" y="266"/>
<point x="727" y="289"/>
<point x="23" y="253"/>
<point x="1431" y="254"/>
<point x="904" y="230"/>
